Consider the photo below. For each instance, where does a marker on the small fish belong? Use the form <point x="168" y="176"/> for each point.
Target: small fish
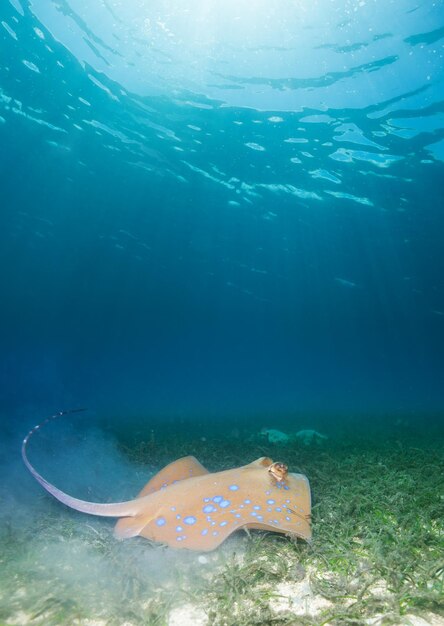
<point x="345" y="283"/>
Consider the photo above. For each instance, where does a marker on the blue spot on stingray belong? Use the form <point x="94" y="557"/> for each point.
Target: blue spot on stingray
<point x="286" y="487"/>
<point x="269" y="509"/>
<point x="204" y="532"/>
<point x="190" y="520"/>
<point x="213" y="523"/>
<point x="233" y="487"/>
<point x="173" y="508"/>
<point x="217" y="499"/>
<point x="278" y="509"/>
<point x="179" y="529"/>
<point x="275" y="522"/>
<point x="253" y="514"/>
<point x="237" y="515"/>
<point x="178" y="516"/>
<point x="161" y="521"/>
<point x="260" y="518"/>
<point x="206" y="499"/>
<point x="209" y="508"/>
<point x="181" y="538"/>
<point x="223" y="523"/>
<point x="224" y="504"/>
<point x="257" y="507"/>
<point x="215" y="533"/>
<point x="287" y="501"/>
<point x="247" y="501"/>
<point x="288" y="519"/>
<point x="270" y="501"/>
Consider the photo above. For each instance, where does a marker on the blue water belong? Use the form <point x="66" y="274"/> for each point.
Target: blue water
<point x="222" y="208"/>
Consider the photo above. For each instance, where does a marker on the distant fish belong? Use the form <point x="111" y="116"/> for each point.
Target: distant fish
<point x="127" y="234"/>
<point x="345" y="283"/>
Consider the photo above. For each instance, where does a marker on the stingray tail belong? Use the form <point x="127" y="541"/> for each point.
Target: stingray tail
<point x="117" y="509"/>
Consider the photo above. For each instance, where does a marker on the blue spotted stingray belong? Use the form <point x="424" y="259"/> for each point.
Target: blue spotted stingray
<point x="186" y="506"/>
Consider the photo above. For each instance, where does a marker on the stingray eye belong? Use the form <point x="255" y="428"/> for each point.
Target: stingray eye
<point x="279" y="471"/>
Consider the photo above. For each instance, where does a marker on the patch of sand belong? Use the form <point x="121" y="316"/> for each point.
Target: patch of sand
<point x="187" y="615"/>
<point x="299" y="599"/>
<point x="429" y="619"/>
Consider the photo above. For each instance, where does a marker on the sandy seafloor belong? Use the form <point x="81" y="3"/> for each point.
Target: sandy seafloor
<point x="377" y="555"/>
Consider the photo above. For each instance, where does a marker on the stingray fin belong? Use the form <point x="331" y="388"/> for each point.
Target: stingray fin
<point x="128" y="527"/>
<point x="263" y="461"/>
<point x="186" y="467"/>
<point x="191" y="542"/>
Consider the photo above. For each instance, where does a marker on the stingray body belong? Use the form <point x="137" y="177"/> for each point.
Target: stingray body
<point x="186" y="506"/>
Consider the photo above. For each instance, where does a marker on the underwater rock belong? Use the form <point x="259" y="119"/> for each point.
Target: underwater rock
<point x="275" y="436"/>
<point x="308" y="437"/>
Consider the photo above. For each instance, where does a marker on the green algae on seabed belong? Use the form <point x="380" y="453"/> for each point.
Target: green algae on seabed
<point x="377" y="556"/>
